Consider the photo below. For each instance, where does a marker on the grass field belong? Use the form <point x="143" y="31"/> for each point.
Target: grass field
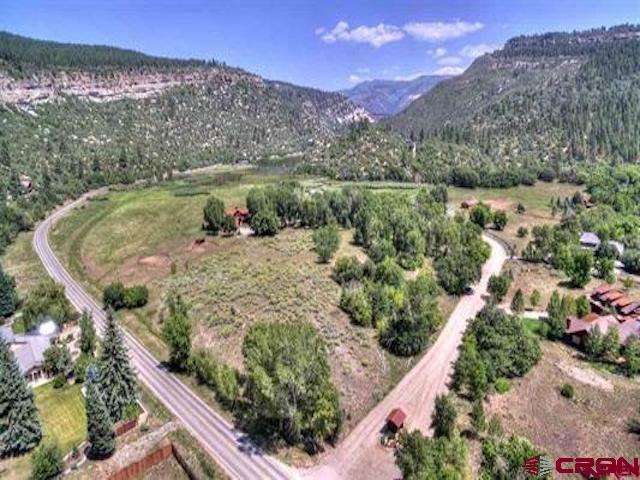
<point x="63" y="414"/>
<point x="592" y="424"/>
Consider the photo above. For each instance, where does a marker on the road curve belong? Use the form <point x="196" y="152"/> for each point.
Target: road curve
<point x="233" y="451"/>
<point x="359" y="455"/>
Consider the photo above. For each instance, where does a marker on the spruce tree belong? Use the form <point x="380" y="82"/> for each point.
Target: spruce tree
<point x="115" y="377"/>
<point x="20" y="429"/>
<point x="7" y="294"/>
<point x="100" y="431"/>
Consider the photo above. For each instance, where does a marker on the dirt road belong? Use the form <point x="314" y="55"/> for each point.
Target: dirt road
<point x="360" y="455"/>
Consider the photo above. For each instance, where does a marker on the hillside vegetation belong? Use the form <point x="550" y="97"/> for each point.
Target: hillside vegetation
<point x="557" y="97"/>
<point x="89" y="116"/>
<point x="545" y="106"/>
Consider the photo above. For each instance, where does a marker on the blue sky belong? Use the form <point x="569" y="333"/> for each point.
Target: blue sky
<point x="325" y="43"/>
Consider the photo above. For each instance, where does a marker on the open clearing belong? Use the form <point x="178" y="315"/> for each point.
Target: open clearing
<point x="592" y="424"/>
<point x="63" y="414"/>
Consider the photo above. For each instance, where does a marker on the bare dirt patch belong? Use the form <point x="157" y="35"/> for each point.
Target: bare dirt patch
<point x="593" y="423"/>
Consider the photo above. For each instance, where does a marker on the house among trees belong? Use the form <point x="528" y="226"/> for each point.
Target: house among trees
<point x="591" y="241"/>
<point x="240" y="215"/>
<point x="610" y="308"/>
<point x="29" y="351"/>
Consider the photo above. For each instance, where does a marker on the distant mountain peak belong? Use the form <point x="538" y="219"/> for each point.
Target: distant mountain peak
<point x="382" y="98"/>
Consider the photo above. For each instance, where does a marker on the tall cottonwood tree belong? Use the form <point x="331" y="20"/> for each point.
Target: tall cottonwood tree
<point x="177" y="332"/>
<point x="115" y="376"/>
<point x="20" y="428"/>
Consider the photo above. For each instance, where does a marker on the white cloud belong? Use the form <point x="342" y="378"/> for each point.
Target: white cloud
<point x="356" y="79"/>
<point x="437" y="31"/>
<point x="474" y="51"/>
<point x="449" y="71"/>
<point x="438" y="52"/>
<point x="320" y="30"/>
<point x="449" y="60"/>
<point x="376" y="36"/>
<point x="408" y="78"/>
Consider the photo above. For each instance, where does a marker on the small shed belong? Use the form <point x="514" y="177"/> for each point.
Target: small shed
<point x="589" y="240"/>
<point x="395" y="420"/>
<point x="469" y="203"/>
<point x="240" y="215"/>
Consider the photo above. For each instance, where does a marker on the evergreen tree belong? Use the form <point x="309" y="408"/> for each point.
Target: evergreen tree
<point x="46" y="462"/>
<point x="115" y="377"/>
<point x="7" y="294"/>
<point x="20" y="429"/>
<point x="87" y="334"/>
<point x="177" y="332"/>
<point x="100" y="432"/>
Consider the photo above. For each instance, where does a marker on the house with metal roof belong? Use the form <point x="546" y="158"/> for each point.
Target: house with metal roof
<point x="28" y="351"/>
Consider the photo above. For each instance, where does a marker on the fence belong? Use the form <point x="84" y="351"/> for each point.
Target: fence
<point x="136" y="469"/>
<point x="125" y="427"/>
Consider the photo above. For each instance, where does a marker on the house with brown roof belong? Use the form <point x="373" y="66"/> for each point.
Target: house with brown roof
<point x="578" y="328"/>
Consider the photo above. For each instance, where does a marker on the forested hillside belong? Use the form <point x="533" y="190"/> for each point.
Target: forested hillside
<point x="554" y="98"/>
<point x="90" y="116"/>
<point x="22" y="56"/>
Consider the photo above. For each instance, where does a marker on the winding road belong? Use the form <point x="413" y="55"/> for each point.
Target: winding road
<point x="234" y="452"/>
<point x="359" y="455"/>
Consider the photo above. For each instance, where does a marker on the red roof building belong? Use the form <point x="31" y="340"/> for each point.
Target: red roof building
<point x="395" y="420"/>
<point x="240" y="215"/>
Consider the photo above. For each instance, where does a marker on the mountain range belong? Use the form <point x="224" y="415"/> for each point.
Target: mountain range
<point x="383" y="98"/>
<point x="552" y="104"/>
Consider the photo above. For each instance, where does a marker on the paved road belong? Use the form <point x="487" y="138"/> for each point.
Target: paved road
<point x="229" y="447"/>
<point x="360" y="455"/>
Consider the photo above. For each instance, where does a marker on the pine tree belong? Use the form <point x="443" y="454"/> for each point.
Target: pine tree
<point x="7" y="294"/>
<point x="116" y="378"/>
<point x="20" y="429"/>
<point x="100" y="431"/>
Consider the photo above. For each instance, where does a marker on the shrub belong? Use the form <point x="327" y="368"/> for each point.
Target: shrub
<point x="347" y="269"/>
<point x="136" y="296"/>
<point x="113" y="295"/>
<point x="502" y="385"/>
<point x="80" y="367"/>
<point x="567" y="391"/>
<point x="326" y="241"/>
<point x="356" y="303"/>
<point x="264" y="223"/>
<point x="500" y="219"/>
<point x="117" y="296"/>
<point x="213" y="215"/>
<point x="59" y="381"/>
<point x="522" y="232"/>
<point x="46" y="462"/>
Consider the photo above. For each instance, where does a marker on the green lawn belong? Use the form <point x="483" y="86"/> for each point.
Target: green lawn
<point x="63" y="414"/>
